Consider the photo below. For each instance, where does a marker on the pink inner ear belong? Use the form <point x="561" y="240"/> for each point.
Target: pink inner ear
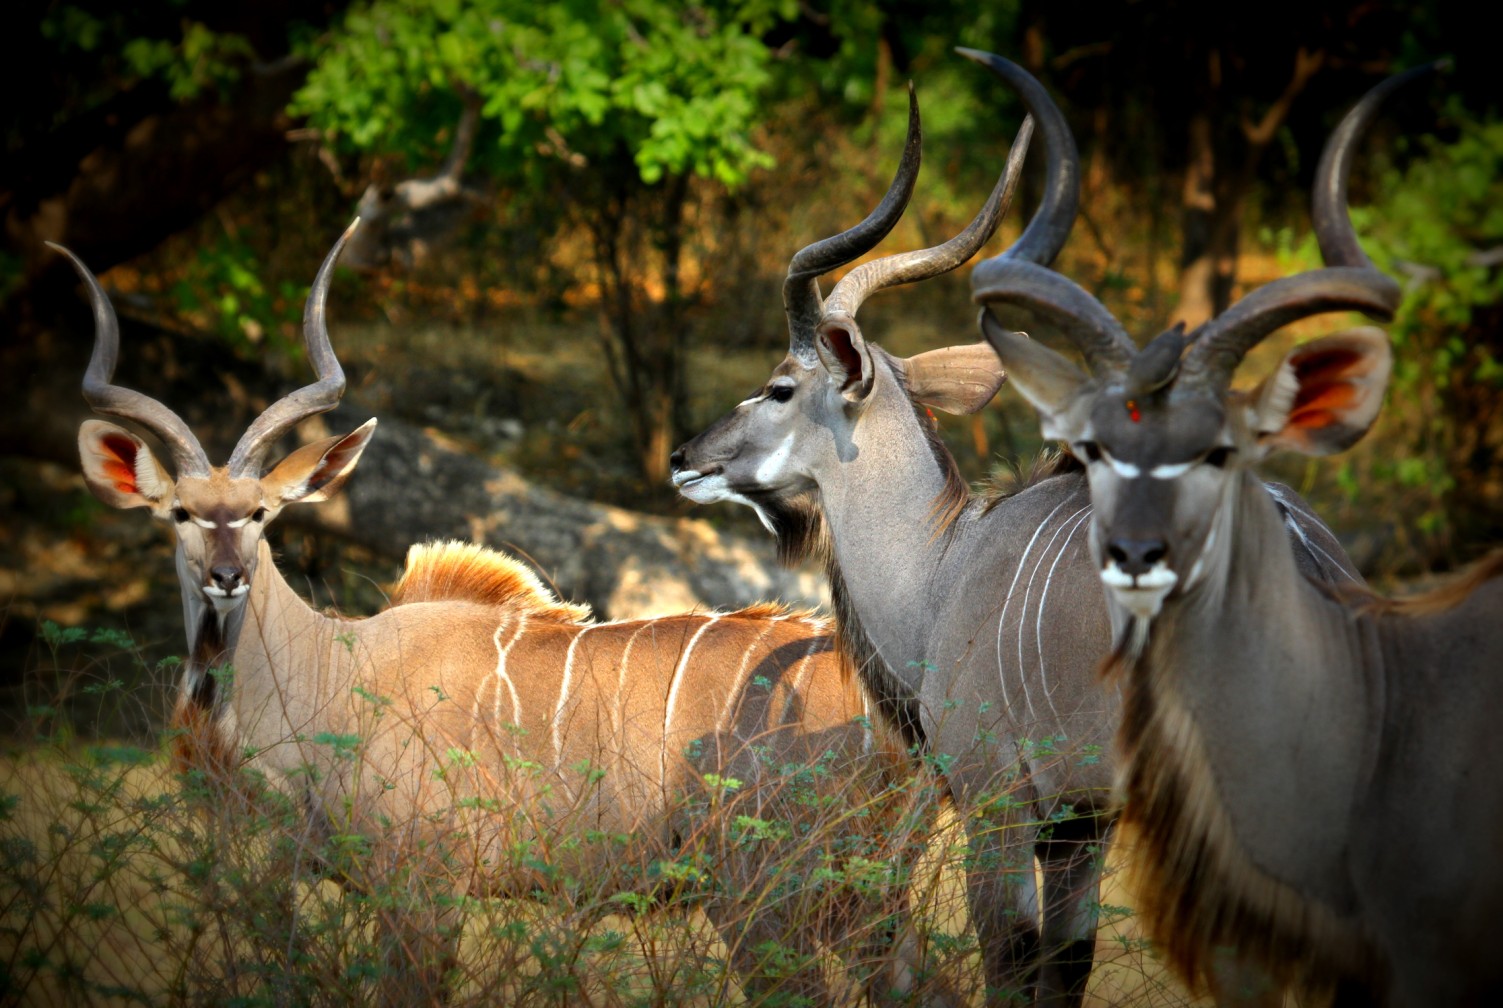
<point x="120" y="462"/>
<point x="1326" y="392"/>
<point x="838" y="339"/>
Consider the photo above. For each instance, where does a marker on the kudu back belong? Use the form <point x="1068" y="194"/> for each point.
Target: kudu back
<point x="478" y="725"/>
<point x="1311" y="770"/>
<point x="976" y="619"/>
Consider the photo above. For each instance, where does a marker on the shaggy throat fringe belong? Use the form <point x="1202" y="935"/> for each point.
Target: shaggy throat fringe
<point x="1196" y="888"/>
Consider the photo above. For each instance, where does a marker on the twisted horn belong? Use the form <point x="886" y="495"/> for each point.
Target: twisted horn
<point x="1333" y="225"/>
<point x="1020" y="274"/>
<point x="115" y="400"/>
<point x="1050" y="225"/>
<point x="802" y="302"/>
<point x="1349" y="282"/>
<point x="906" y="267"/>
<point x="284" y="414"/>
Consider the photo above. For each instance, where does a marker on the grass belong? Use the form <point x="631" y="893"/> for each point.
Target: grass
<point x="123" y="881"/>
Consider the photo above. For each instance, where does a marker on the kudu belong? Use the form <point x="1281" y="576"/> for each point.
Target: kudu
<point x="1312" y="772"/>
<point x="490" y="717"/>
<point x="976" y="620"/>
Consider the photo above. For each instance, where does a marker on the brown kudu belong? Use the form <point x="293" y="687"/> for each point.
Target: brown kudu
<point x="978" y="621"/>
<point x="1312" y="774"/>
<point x="490" y="717"/>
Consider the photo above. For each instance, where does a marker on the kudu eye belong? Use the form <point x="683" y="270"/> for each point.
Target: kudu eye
<point x="780" y="393"/>
<point x="180" y="515"/>
<point x="259" y="515"/>
<point x="1090" y="449"/>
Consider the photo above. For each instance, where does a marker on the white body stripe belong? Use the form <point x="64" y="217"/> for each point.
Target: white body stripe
<point x="678" y="675"/>
<point x="1081" y="519"/>
<point x="1007" y="600"/>
<point x="734" y="695"/>
<point x="1023" y="618"/>
<point x="504" y="679"/>
<point x="563" y="696"/>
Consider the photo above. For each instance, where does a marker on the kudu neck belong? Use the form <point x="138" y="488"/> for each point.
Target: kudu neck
<point x="274" y="628"/>
<point x="1250" y="694"/>
<point x="890" y="538"/>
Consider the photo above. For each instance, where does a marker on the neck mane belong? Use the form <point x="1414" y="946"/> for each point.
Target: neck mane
<point x="1198" y="884"/>
<point x="465" y="572"/>
<point x="1196" y="887"/>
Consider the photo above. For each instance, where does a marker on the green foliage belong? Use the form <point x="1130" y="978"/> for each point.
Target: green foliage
<point x="1439" y="227"/>
<point x="156" y="44"/>
<point x="223" y="289"/>
<point x="674" y="85"/>
<point x="1436" y="227"/>
<point x="1437" y="217"/>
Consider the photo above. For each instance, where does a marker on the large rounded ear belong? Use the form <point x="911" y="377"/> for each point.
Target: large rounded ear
<point x="1048" y="380"/>
<point x="316" y="471"/>
<point x="120" y="470"/>
<point x="844" y="353"/>
<point x="957" y="379"/>
<point x="1324" y="395"/>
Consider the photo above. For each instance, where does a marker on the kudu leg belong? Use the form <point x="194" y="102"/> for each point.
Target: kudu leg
<point x="1003" y="898"/>
<point x="1071" y="859"/>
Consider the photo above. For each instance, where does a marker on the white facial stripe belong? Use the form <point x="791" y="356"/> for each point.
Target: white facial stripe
<point x="769" y="467"/>
<point x="205" y="523"/>
<point x="1124" y="469"/>
<point x="1167" y="472"/>
<point x="240" y="522"/>
<point x="1200" y="562"/>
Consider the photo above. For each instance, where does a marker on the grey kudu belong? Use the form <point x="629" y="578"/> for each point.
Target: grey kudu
<point x="493" y="718"/>
<point x="1313" y="773"/>
<point x="978" y="621"/>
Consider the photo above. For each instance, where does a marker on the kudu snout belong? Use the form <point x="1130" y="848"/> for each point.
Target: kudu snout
<point x="227" y="577"/>
<point x="1136" y="556"/>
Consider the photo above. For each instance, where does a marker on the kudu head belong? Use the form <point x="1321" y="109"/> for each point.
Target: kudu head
<point x="1166" y="442"/>
<point x="218" y="513"/>
<point x="767" y="452"/>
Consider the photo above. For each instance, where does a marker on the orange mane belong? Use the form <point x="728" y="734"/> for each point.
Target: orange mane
<point x="460" y="571"/>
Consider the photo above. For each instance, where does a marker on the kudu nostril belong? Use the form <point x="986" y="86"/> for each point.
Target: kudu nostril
<point x="676" y="460"/>
<point x="1137" y="556"/>
<point x="226" y="577"/>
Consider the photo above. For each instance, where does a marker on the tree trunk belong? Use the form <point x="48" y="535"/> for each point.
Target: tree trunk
<point x="1214" y="196"/>
<point x="1199" y="208"/>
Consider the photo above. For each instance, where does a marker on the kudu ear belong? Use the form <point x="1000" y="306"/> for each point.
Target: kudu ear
<point x="1045" y="378"/>
<point x="1324" y="395"/>
<point x="316" y="471"/>
<point x="120" y="470"/>
<point x="844" y="353"/>
<point x="957" y="379"/>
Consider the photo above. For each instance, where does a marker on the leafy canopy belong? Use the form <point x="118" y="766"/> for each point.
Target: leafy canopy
<point x="673" y="86"/>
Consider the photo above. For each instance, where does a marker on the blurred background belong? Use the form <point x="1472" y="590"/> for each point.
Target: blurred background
<point x="577" y="218"/>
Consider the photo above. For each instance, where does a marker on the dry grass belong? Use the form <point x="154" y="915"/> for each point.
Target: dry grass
<point x="121" y="882"/>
